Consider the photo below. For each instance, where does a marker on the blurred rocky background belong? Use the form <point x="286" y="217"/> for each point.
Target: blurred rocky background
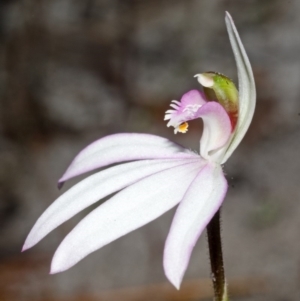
<point x="72" y="71"/>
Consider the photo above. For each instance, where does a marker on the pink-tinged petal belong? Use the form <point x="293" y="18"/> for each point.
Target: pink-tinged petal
<point x="192" y="97"/>
<point x="130" y="209"/>
<point x="122" y="147"/>
<point x="185" y="109"/>
<point x="216" y="129"/>
<point x="201" y="201"/>
<point x="247" y="91"/>
<point x="91" y="190"/>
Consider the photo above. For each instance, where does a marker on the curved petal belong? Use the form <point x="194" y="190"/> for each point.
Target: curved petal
<point x="200" y="203"/>
<point x="216" y="127"/>
<point x="122" y="147"/>
<point x="247" y="91"/>
<point x="130" y="209"/>
<point x="91" y="190"/>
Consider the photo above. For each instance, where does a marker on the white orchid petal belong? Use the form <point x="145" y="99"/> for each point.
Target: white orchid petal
<point x="200" y="203"/>
<point x="91" y="190"/>
<point x="130" y="209"/>
<point x="216" y="127"/>
<point x="247" y="91"/>
<point x="121" y="147"/>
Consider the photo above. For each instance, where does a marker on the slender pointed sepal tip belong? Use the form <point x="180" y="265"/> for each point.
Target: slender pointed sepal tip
<point x="174" y="278"/>
<point x="60" y="185"/>
<point x="175" y="282"/>
<point x="227" y="14"/>
<point x="27" y="245"/>
<point x="228" y="18"/>
<point x="54" y="269"/>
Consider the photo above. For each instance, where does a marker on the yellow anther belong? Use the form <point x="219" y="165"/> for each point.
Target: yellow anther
<point x="183" y="128"/>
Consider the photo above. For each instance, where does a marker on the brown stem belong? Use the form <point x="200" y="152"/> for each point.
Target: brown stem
<point x="216" y="258"/>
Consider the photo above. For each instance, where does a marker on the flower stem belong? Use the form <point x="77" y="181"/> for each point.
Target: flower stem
<point x="216" y="258"/>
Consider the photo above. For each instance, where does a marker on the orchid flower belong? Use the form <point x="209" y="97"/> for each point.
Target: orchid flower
<point x="162" y="174"/>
